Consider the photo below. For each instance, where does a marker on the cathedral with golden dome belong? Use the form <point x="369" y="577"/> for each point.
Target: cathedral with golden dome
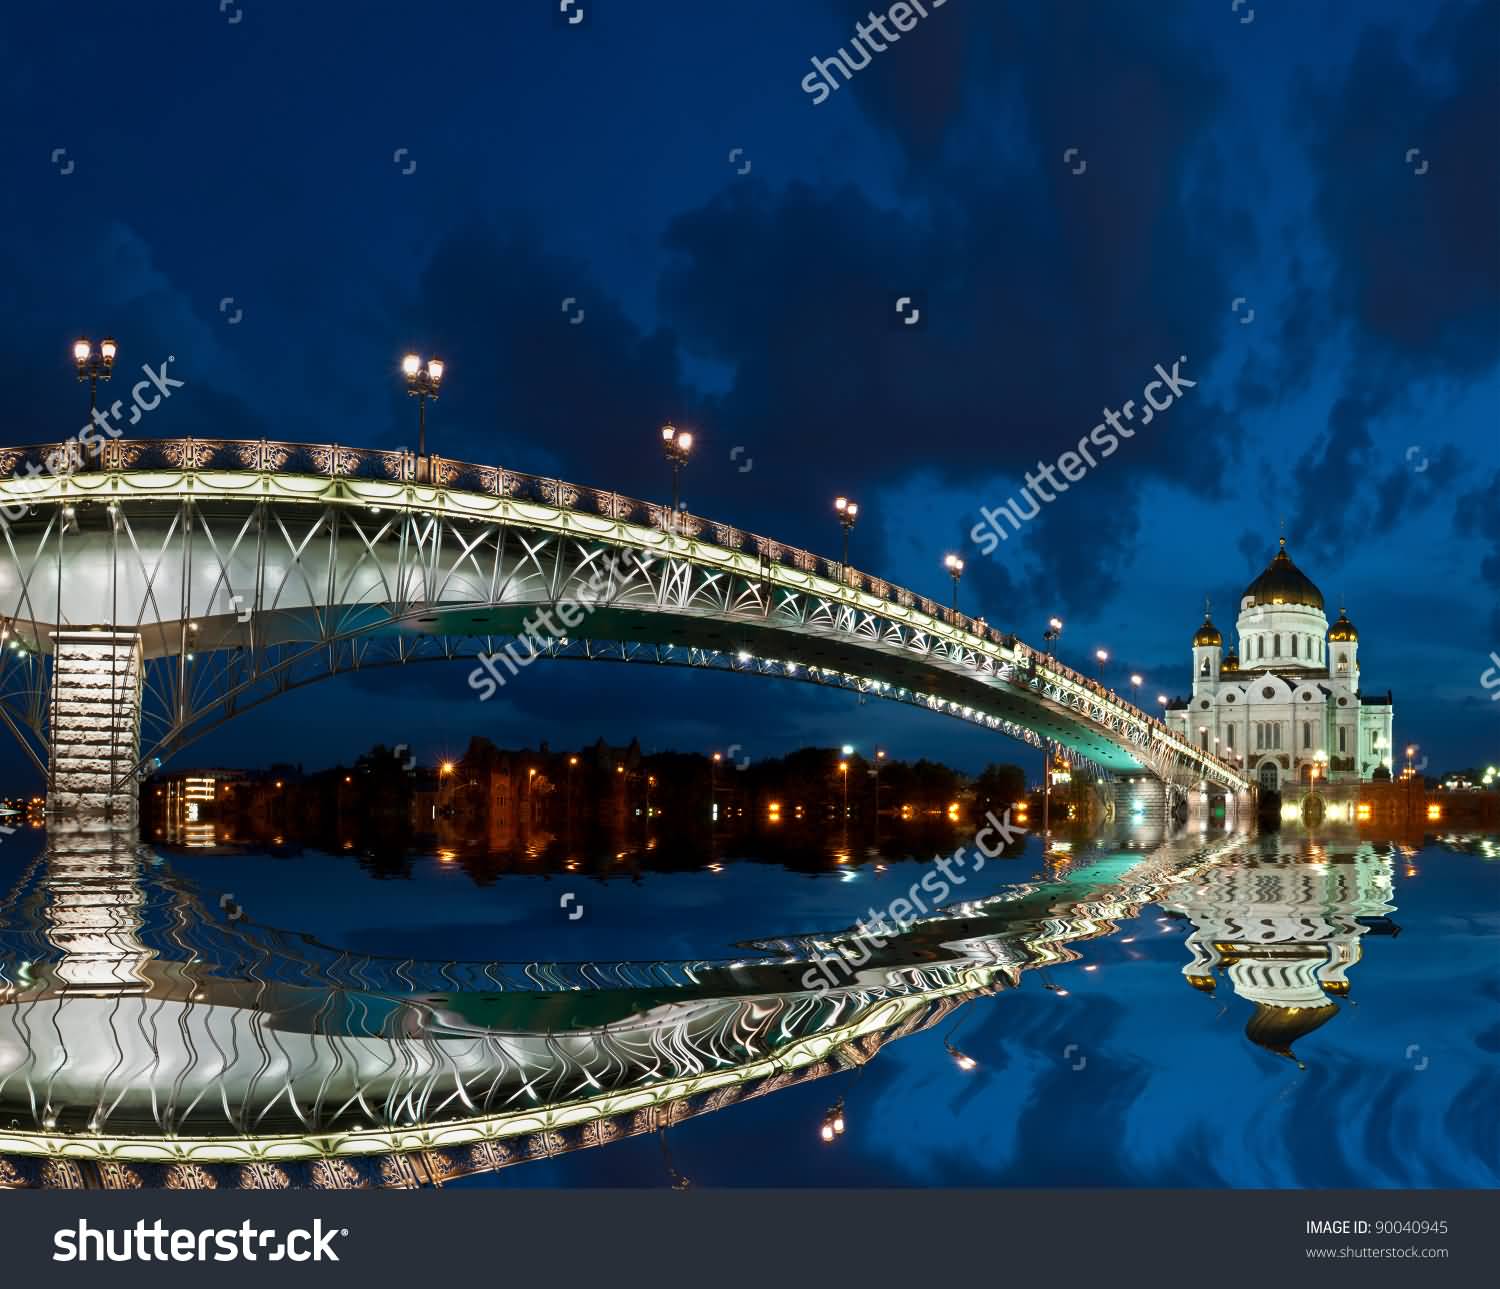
<point x="1286" y="702"/>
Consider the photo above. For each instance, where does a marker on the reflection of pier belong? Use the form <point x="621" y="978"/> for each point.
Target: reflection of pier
<point x="146" y="1040"/>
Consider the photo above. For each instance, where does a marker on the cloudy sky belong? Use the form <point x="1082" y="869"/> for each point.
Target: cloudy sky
<point x="1302" y="200"/>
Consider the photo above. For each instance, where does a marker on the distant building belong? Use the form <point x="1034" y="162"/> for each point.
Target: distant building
<point x="1287" y="703"/>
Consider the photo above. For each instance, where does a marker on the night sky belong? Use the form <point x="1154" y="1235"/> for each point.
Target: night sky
<point x="1250" y="198"/>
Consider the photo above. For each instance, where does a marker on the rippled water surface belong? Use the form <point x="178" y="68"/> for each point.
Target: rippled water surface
<point x="1264" y="1011"/>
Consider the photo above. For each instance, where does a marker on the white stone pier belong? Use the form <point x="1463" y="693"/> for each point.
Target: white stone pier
<point x="94" y="714"/>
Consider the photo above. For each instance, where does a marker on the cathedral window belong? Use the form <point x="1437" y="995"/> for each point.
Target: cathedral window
<point x="1306" y="733"/>
<point x="1294" y="646"/>
<point x="1343" y="738"/>
<point x="1230" y="732"/>
<point x="1276" y="646"/>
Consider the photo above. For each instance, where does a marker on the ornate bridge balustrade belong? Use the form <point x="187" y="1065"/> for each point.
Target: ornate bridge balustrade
<point x="242" y="569"/>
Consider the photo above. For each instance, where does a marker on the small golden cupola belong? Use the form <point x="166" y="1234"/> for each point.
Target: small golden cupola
<point x="1343" y="629"/>
<point x="1207" y="634"/>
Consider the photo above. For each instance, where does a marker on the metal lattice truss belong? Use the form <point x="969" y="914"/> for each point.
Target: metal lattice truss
<point x="245" y="582"/>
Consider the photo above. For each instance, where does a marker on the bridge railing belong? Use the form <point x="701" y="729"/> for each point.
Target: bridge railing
<point x="334" y="460"/>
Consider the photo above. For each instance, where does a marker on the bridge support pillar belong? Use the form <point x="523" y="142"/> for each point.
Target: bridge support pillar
<point x="1140" y="799"/>
<point x="94" y="719"/>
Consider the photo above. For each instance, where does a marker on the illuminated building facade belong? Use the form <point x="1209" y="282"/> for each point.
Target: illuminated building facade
<point x="1287" y="704"/>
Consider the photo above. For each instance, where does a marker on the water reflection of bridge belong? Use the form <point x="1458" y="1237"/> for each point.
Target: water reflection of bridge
<point x="146" y="1039"/>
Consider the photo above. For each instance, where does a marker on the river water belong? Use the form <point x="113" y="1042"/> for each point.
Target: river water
<point x="1284" y="1010"/>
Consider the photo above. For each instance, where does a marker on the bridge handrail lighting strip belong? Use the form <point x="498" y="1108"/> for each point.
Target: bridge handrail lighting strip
<point x="264" y="469"/>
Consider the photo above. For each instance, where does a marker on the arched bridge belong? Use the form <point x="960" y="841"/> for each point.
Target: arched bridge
<point x="154" y="592"/>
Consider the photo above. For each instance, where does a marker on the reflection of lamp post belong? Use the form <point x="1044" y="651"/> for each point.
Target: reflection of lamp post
<point x="676" y="445"/>
<point x="713" y="789"/>
<point x="833" y="1121"/>
<point x="879" y="757"/>
<point x="1411" y="751"/>
<point x="844" y="770"/>
<point x="572" y="761"/>
<point x="963" y="1062"/>
<point x="1046" y="793"/>
<point x="955" y="567"/>
<point x="848" y="511"/>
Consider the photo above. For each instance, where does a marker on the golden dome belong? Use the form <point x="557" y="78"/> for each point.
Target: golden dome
<point x="1207" y="634"/>
<point x="1277" y="1028"/>
<point x="1284" y="583"/>
<point x="1204" y="984"/>
<point x="1231" y="663"/>
<point x="1343" y="629"/>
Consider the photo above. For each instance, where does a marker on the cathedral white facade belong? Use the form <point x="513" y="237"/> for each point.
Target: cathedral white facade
<point x="1286" y="703"/>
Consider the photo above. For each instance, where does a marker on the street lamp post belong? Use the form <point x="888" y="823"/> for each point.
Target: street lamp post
<point x="848" y="512"/>
<point x="879" y="757"/>
<point x="676" y="445"/>
<point x="1050" y="635"/>
<point x="422" y="383"/>
<point x="1102" y="656"/>
<point x="1411" y="751"/>
<point x="1135" y="689"/>
<point x="955" y="567"/>
<point x="93" y="366"/>
<point x="844" y="770"/>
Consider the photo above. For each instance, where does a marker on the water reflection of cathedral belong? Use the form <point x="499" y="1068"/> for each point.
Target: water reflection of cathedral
<point x="1282" y="933"/>
<point x="151" y="1037"/>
